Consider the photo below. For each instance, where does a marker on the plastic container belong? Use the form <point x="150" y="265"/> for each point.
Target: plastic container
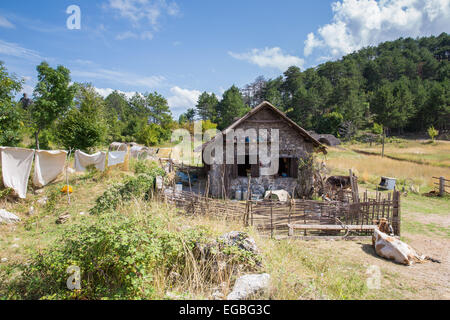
<point x="238" y="195"/>
<point x="179" y="187"/>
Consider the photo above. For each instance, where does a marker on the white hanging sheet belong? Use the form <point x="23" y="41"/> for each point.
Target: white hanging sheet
<point x="16" y="168"/>
<point x="116" y="157"/>
<point x="82" y="160"/>
<point x="48" y="165"/>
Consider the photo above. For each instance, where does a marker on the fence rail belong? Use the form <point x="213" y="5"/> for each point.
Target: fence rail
<point x="442" y="185"/>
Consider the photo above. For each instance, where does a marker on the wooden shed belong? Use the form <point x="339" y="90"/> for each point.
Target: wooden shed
<point x="296" y="146"/>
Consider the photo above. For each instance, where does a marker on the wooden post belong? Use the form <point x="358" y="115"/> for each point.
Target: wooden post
<point x="271" y="216"/>
<point x="384" y="137"/>
<point x="396" y="216"/>
<point x="247" y="207"/>
<point x="354" y="185"/>
<point x="441" y="186"/>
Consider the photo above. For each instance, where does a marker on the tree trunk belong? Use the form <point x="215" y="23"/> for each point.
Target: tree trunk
<point x="36" y="137"/>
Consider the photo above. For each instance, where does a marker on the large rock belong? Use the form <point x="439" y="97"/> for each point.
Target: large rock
<point x="8" y="217"/>
<point x="241" y="240"/>
<point x="249" y="285"/>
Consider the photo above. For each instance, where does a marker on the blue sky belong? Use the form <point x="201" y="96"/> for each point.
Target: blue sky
<point x="182" y="48"/>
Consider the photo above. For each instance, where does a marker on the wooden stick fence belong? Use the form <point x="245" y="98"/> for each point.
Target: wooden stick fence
<point x="277" y="218"/>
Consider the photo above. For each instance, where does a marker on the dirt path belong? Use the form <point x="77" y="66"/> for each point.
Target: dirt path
<point x="420" y="281"/>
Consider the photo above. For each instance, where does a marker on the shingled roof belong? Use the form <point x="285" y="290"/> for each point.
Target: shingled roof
<point x="291" y="123"/>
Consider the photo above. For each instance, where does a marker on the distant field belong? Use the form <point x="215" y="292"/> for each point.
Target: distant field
<point x="369" y="168"/>
<point x="418" y="151"/>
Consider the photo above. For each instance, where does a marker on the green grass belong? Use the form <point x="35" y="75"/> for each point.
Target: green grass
<point x="428" y="229"/>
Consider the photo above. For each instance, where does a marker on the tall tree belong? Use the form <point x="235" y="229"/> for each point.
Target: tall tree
<point x="84" y="125"/>
<point x="207" y="106"/>
<point x="53" y="96"/>
<point x="10" y="121"/>
<point x="232" y="106"/>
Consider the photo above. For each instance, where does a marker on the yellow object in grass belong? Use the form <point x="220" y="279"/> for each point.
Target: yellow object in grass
<point x="66" y="189"/>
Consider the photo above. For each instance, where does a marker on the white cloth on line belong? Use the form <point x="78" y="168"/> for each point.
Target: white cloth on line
<point x="116" y="157"/>
<point x="136" y="151"/>
<point x="16" y="168"/>
<point x="48" y="165"/>
<point x="82" y="160"/>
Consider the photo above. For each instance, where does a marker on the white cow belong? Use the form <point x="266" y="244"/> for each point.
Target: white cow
<point x="393" y="249"/>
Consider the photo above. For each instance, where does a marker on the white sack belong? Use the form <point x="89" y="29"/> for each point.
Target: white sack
<point x="16" y="168"/>
<point x="282" y="195"/>
<point x="393" y="249"/>
<point x="116" y="157"/>
<point x="82" y="160"/>
<point x="48" y="165"/>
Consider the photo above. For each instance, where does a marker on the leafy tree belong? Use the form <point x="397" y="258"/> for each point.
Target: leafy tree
<point x="150" y="135"/>
<point x="10" y="119"/>
<point x="207" y="106"/>
<point x="117" y="106"/>
<point x="53" y="96"/>
<point x="252" y="93"/>
<point x="331" y="123"/>
<point x="232" y="106"/>
<point x="84" y="126"/>
<point x="159" y="110"/>
<point x="182" y="119"/>
<point x="190" y="115"/>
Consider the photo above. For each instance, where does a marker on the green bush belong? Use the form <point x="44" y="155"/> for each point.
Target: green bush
<point x="133" y="188"/>
<point x="148" y="167"/>
<point x="123" y="257"/>
<point x="117" y="256"/>
<point x="432" y="133"/>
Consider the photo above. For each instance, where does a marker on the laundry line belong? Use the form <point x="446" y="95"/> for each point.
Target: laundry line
<point x="16" y="164"/>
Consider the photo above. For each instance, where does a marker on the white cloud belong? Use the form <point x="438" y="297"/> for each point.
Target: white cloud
<point x="123" y="78"/>
<point x="360" y="23"/>
<point x="142" y="14"/>
<point x="5" y="23"/>
<point x="182" y="99"/>
<point x="269" y="57"/>
<point x="15" y="50"/>
<point x="126" y="35"/>
<point x="146" y="35"/>
<point x="104" y="92"/>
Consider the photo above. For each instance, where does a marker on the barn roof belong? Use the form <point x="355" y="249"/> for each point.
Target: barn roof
<point x="291" y="123"/>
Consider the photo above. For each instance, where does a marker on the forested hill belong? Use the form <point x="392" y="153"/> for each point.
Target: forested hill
<point x="403" y="85"/>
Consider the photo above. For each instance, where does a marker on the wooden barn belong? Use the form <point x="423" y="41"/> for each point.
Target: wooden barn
<point x="296" y="146"/>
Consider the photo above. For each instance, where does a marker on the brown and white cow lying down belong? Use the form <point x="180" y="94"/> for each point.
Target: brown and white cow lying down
<point x="393" y="249"/>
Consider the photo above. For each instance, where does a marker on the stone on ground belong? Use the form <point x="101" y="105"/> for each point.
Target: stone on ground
<point x="249" y="285"/>
<point x="240" y="240"/>
<point x="8" y="217"/>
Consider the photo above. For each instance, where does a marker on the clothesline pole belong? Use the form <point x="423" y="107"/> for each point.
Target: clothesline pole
<point x="67" y="176"/>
